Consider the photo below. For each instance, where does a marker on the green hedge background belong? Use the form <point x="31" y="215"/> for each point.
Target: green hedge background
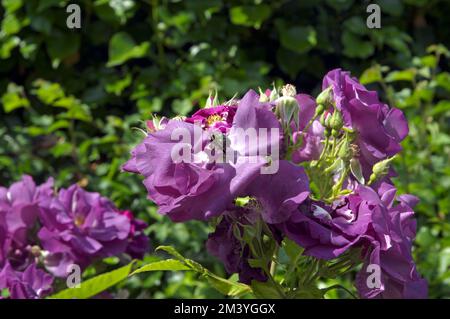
<point x="70" y="99"/>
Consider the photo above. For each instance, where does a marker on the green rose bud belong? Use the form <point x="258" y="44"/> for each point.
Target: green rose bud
<point x="334" y="133"/>
<point x="325" y="120"/>
<point x="345" y="152"/>
<point x="287" y="109"/>
<point x="326" y="97"/>
<point x="336" y="121"/>
<point x="319" y="110"/>
<point x="380" y="169"/>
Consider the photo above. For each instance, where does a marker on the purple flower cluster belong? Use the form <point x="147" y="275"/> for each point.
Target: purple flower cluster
<point x="349" y="125"/>
<point x="378" y="222"/>
<point x="199" y="189"/>
<point x="39" y="227"/>
<point x="32" y="283"/>
<point x="380" y="128"/>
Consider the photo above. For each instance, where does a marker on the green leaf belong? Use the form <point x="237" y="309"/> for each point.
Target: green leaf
<point x="340" y="5"/>
<point x="404" y="75"/>
<point x="264" y="290"/>
<point x="371" y="75"/>
<point x="443" y="80"/>
<point x="121" y="8"/>
<point x="78" y="112"/>
<point x="57" y="126"/>
<point x="45" y="4"/>
<point x="111" y="260"/>
<point x="96" y="285"/>
<point x="392" y="7"/>
<point x="147" y="105"/>
<point x="182" y="107"/>
<point x="428" y="61"/>
<point x="439" y="49"/>
<point x="12" y="5"/>
<point x="171" y="251"/>
<point x="308" y="292"/>
<point x="66" y="102"/>
<point x="355" y="46"/>
<point x="255" y="263"/>
<point x="7" y="46"/>
<point x="356" y="25"/>
<point x="418" y="3"/>
<point x="61" y="149"/>
<point x="293" y="251"/>
<point x="291" y="62"/>
<point x="442" y="107"/>
<point x="252" y="16"/>
<point x="227" y="287"/>
<point x="14" y="98"/>
<point x="299" y="39"/>
<point x="61" y="46"/>
<point x="28" y="49"/>
<point x="119" y="85"/>
<point x="48" y="92"/>
<point x="123" y="48"/>
<point x="11" y="25"/>
<point x="168" y="264"/>
<point x="396" y="39"/>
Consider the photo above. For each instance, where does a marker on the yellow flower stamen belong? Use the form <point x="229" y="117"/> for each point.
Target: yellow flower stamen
<point x="79" y="220"/>
<point x="213" y="119"/>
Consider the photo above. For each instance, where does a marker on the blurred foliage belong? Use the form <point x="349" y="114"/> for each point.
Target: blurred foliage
<point x="70" y="99"/>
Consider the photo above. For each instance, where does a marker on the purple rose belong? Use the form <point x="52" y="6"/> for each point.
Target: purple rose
<point x="391" y="237"/>
<point x="79" y="226"/>
<point x="200" y="188"/>
<point x="138" y="242"/>
<point x="33" y="283"/>
<point x="19" y="211"/>
<point x="318" y="228"/>
<point x="5" y="242"/>
<point x="280" y="194"/>
<point x="380" y="129"/>
<point x="215" y="118"/>
<point x="369" y="220"/>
